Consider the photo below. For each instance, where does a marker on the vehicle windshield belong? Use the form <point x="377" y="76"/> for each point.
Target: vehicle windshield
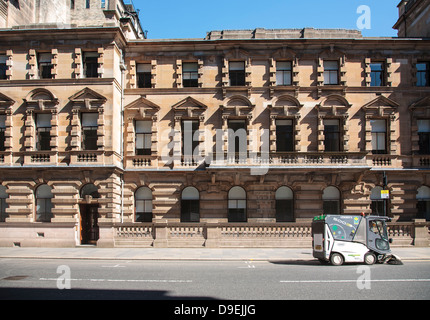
<point x="379" y="227"/>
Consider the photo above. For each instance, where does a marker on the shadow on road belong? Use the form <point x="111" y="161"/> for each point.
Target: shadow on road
<point x="88" y="294"/>
<point x="297" y="262"/>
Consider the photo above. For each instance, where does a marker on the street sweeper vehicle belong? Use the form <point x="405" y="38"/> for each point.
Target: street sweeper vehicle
<point x="346" y="238"/>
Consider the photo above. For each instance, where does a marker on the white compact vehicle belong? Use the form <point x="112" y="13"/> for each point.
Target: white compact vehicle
<point x="340" y="238"/>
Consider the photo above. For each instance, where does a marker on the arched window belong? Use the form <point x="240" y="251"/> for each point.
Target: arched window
<point x="237" y="205"/>
<point x="3" y="204"/>
<point x="190" y="205"/>
<point x="423" y="202"/>
<point x="43" y="203"/>
<point x="90" y="190"/>
<point x="284" y="205"/>
<point x="378" y="205"/>
<point x="143" y="204"/>
<point x="331" y="200"/>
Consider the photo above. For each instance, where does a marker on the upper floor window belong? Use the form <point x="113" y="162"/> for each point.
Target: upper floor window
<point x="103" y="4"/>
<point x="237" y="137"/>
<point x="87" y="4"/>
<point x="72" y="4"/>
<point x="45" y="65"/>
<point x="89" y="130"/>
<point x="331" y="72"/>
<point x="283" y="73"/>
<point x="91" y="64"/>
<point x="189" y="140"/>
<point x="2" y="131"/>
<point x="331" y="135"/>
<point x="284" y="135"/>
<point x="379" y="136"/>
<point x="43" y="131"/>
<point x="143" y="137"/>
<point x="424" y="136"/>
<point x="143" y="73"/>
<point x="377" y="74"/>
<point x="237" y="73"/>
<point x="3" y="67"/>
<point x="423" y="74"/>
<point x="190" y="74"/>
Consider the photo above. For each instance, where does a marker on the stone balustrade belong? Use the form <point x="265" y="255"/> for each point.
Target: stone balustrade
<point x="218" y="234"/>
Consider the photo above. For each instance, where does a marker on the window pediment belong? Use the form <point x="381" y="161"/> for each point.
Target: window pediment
<point x="333" y="105"/>
<point x="5" y="101"/>
<point x="285" y="106"/>
<point x="87" y="99"/>
<point x="143" y="107"/>
<point x="237" y="106"/>
<point x="189" y="107"/>
<point x="381" y="107"/>
<point x="421" y="108"/>
<point x="41" y="99"/>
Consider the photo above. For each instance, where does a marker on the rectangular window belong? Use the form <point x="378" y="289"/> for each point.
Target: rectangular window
<point x="331" y="72"/>
<point x="3" y="67"/>
<point x="284" y="136"/>
<point x="237" y="73"/>
<point x="45" y="65"/>
<point x="89" y="130"/>
<point x="3" y="207"/>
<point x="423" y="74"/>
<point x="283" y="73"/>
<point x="190" y="211"/>
<point x="2" y="132"/>
<point x="103" y="4"/>
<point x="423" y="206"/>
<point x="143" y="210"/>
<point x="331" y="135"/>
<point x="91" y="64"/>
<point x="237" y="137"/>
<point x="143" y="73"/>
<point x="143" y="138"/>
<point x="43" y="210"/>
<point x="87" y="4"/>
<point x="189" y="137"/>
<point x="424" y="136"/>
<point x="190" y="75"/>
<point x="377" y="74"/>
<point x="331" y="207"/>
<point x="72" y="4"/>
<point x="237" y="211"/>
<point x="379" y="136"/>
<point x="43" y="129"/>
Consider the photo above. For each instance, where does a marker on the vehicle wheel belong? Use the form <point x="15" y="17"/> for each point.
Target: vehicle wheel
<point x="369" y="258"/>
<point x="336" y="259"/>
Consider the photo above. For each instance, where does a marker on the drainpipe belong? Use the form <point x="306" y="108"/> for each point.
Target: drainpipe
<point x="123" y="68"/>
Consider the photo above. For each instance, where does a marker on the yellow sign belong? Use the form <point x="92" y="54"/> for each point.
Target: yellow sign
<point x="385" y="194"/>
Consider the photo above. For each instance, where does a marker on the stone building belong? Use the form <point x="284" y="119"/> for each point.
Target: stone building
<point x="235" y="139"/>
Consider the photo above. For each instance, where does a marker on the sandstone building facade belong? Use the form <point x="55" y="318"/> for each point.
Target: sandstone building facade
<point x="235" y="139"/>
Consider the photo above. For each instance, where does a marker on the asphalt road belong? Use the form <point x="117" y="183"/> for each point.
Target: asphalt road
<point x="184" y="280"/>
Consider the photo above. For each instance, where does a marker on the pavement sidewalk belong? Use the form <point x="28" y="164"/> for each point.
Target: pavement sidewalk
<point x="220" y="254"/>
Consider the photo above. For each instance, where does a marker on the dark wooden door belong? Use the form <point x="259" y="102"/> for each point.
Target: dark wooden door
<point x="89" y="224"/>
